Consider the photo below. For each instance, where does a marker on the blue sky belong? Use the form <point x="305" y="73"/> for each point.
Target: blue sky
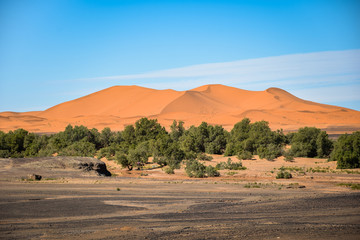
<point x="53" y="51"/>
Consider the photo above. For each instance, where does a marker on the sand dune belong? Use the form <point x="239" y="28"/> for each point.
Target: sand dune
<point x="118" y="106"/>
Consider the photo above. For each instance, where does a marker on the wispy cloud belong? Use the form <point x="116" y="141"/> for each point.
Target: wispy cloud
<point x="319" y="73"/>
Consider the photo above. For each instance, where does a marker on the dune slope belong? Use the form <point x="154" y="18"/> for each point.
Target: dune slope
<point x="118" y="106"/>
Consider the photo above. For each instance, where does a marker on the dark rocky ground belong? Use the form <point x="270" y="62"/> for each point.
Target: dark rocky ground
<point x="120" y="208"/>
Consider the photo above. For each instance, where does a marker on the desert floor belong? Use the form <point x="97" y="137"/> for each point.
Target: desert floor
<point x="149" y="204"/>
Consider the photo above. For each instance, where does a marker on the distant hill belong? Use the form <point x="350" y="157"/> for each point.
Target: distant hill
<point x="118" y="106"/>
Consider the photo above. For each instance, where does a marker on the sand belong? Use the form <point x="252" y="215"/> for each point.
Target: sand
<point x="119" y="106"/>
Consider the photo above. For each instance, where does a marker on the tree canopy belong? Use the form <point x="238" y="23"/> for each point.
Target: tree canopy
<point x="310" y="142"/>
<point x="347" y="151"/>
<point x="147" y="138"/>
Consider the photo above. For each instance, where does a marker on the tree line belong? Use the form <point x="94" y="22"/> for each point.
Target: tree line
<point x="147" y="138"/>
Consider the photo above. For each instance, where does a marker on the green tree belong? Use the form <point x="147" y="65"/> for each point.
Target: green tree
<point x="147" y="129"/>
<point x="33" y="143"/>
<point x="248" y="138"/>
<point x="110" y="151"/>
<point x="240" y="130"/>
<point x="323" y="145"/>
<point x="189" y="142"/>
<point x="167" y="152"/>
<point x="4" y="149"/>
<point x="177" y="130"/>
<point x="129" y="135"/>
<point x="270" y="152"/>
<point x="347" y="151"/>
<point x="139" y="156"/>
<point x="217" y="140"/>
<point x="122" y="159"/>
<point x="79" y="148"/>
<point x="13" y="143"/>
<point x="106" y="137"/>
<point x="310" y="142"/>
<point x="196" y="169"/>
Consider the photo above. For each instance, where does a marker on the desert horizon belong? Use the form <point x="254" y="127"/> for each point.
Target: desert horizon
<point x="119" y="106"/>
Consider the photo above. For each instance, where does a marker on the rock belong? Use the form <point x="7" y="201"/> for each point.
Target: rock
<point x="35" y="177"/>
<point x="87" y="164"/>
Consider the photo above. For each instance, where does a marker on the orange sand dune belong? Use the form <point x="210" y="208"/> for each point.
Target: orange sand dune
<point x="119" y="106"/>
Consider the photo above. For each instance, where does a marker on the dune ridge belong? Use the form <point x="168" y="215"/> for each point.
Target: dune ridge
<point x="119" y="106"/>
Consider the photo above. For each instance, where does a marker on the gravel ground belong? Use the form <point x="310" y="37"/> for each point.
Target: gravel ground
<point x="94" y="208"/>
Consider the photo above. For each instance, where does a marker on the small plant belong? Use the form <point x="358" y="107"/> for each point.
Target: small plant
<point x="289" y="157"/>
<point x="302" y="173"/>
<point x="252" y="185"/>
<point x="353" y="186"/>
<point x="264" y="185"/>
<point x="143" y="174"/>
<point x="230" y="165"/>
<point x="118" y="189"/>
<point x="350" y="171"/>
<point x="231" y="173"/>
<point x="320" y="170"/>
<point x="283" y="174"/>
<point x="292" y="169"/>
<point x="294" y="185"/>
<point x="168" y="170"/>
<point x="198" y="170"/>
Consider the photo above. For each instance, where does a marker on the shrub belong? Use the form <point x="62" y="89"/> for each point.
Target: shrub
<point x="195" y="169"/>
<point x="295" y="168"/>
<point x="288" y="157"/>
<point x="243" y="155"/>
<point x="234" y="166"/>
<point x="284" y="174"/>
<point x="230" y="165"/>
<point x="220" y="166"/>
<point x="168" y="170"/>
<point x="211" y="172"/>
